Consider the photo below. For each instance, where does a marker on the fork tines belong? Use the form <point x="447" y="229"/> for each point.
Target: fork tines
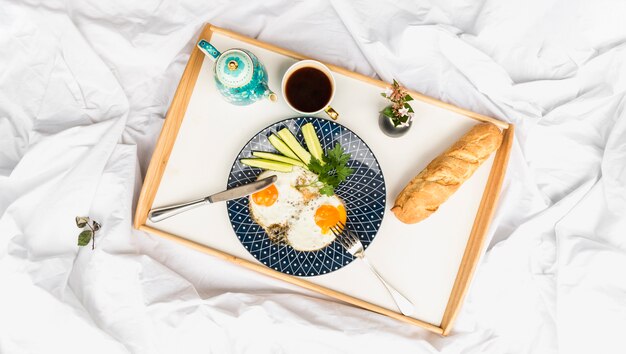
<point x="345" y="237"/>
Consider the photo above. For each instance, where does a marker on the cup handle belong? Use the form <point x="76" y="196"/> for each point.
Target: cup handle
<point x="331" y="112"/>
<point x="208" y="49"/>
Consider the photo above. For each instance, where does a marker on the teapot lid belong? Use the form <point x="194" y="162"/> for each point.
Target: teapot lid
<point x="234" y="68"/>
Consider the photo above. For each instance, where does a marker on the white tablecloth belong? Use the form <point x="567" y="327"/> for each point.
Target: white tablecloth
<point x="84" y="87"/>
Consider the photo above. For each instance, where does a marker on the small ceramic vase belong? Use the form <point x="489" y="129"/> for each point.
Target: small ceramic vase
<point x="386" y="125"/>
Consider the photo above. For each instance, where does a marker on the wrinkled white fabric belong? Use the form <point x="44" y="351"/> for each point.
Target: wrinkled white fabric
<point x="84" y="87"/>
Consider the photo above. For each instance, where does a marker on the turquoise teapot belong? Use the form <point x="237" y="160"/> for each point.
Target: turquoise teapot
<point x="239" y="75"/>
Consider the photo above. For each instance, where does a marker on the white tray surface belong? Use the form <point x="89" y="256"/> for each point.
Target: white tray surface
<point x="420" y="260"/>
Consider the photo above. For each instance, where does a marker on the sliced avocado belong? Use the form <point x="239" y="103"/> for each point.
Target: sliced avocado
<point x="312" y="142"/>
<point x="288" y="138"/>
<point x="268" y="164"/>
<point x="279" y="158"/>
<point x="282" y="147"/>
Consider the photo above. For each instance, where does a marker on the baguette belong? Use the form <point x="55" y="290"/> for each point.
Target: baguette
<point x="445" y="174"/>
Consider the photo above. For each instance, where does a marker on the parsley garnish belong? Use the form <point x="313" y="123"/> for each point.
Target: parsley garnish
<point x="333" y="171"/>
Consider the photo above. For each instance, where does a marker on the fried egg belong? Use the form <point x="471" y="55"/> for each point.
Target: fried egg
<point x="310" y="231"/>
<point x="292" y="213"/>
<point x="278" y="203"/>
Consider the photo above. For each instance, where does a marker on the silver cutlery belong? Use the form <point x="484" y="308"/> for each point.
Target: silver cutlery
<point x="350" y="241"/>
<point x="158" y="214"/>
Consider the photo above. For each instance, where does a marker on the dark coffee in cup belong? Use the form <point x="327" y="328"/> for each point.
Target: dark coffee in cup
<point x="308" y="89"/>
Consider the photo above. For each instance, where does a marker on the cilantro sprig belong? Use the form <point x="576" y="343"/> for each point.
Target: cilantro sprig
<point x="332" y="170"/>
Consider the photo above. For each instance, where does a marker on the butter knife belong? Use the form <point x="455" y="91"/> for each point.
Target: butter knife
<point x="158" y="214"/>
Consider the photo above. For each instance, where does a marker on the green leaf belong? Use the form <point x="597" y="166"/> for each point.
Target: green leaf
<point x="81" y="221"/>
<point x="335" y="153"/>
<point x="388" y="111"/>
<point x="408" y="98"/>
<point x="315" y="165"/>
<point x="84" y="237"/>
<point x="343" y="172"/>
<point x="327" y="190"/>
<point x="333" y="171"/>
<point x="383" y="94"/>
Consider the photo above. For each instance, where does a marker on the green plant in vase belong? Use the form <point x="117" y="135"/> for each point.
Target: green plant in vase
<point x="396" y="119"/>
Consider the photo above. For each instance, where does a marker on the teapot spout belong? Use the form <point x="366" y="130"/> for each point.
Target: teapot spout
<point x="267" y="93"/>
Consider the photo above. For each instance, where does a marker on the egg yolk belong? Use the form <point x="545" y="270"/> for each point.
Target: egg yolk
<point x="327" y="216"/>
<point x="266" y="197"/>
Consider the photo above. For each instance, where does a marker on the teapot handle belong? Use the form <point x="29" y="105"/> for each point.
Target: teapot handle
<point x="208" y="49"/>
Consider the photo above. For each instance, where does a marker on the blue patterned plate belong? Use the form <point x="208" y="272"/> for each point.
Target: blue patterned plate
<point x="363" y="193"/>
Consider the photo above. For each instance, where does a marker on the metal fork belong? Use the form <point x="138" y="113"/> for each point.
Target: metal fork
<point x="350" y="241"/>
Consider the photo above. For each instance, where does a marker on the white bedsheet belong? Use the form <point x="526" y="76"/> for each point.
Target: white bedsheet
<point x="84" y="87"/>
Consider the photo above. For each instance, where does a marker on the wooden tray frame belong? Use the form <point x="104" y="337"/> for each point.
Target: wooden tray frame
<point x="475" y="242"/>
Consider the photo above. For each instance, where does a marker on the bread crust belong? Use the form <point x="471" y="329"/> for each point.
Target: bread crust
<point x="445" y="174"/>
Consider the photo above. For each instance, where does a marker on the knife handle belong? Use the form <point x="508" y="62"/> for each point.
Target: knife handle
<point x="158" y="214"/>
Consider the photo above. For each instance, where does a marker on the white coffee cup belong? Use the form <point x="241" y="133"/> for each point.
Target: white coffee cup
<point x="324" y="69"/>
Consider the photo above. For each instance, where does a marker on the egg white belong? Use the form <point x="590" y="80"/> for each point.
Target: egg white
<point x="304" y="234"/>
<point x="295" y="210"/>
<point x="286" y="205"/>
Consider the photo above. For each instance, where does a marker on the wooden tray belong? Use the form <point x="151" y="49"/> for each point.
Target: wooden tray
<point x="431" y="262"/>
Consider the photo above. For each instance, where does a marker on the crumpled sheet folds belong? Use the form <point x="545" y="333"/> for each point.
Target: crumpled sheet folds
<point x="84" y="87"/>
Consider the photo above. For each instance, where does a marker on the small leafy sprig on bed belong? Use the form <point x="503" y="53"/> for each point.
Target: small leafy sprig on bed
<point x="332" y="170"/>
<point x="87" y="235"/>
<point x="400" y="112"/>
